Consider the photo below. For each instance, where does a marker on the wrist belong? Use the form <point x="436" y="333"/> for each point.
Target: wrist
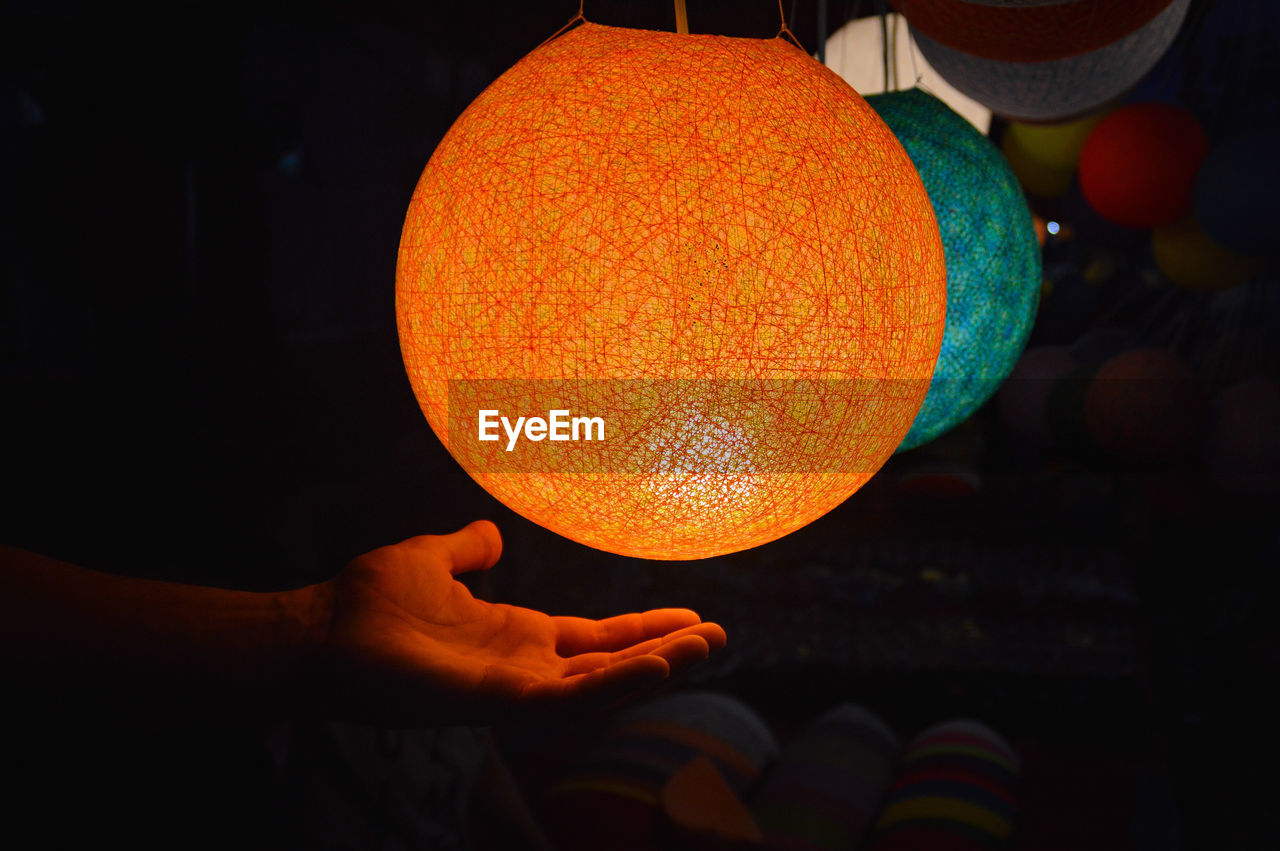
<point x="308" y="615"/>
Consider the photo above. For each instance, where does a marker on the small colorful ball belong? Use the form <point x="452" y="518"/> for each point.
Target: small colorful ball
<point x="1044" y="156"/>
<point x="829" y="782"/>
<point x="1138" y="166"/>
<point x="611" y="797"/>
<point x="957" y="791"/>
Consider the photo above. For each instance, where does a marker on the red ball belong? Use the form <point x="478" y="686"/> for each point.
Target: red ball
<point x="1138" y="166"/>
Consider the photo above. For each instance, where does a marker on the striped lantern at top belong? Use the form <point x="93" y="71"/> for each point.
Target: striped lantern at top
<point x="1043" y="61"/>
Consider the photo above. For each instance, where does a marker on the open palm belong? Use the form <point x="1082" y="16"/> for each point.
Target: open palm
<point x="408" y="643"/>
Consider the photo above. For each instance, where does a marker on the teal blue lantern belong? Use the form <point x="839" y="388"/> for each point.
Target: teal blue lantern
<point x="993" y="257"/>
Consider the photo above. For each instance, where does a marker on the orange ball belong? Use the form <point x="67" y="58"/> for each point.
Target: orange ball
<point x="711" y="245"/>
<point x="1145" y="405"/>
<point x="1138" y="166"/>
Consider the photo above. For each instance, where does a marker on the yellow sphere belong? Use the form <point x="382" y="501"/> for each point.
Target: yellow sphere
<point x="1196" y="261"/>
<point x="1056" y="145"/>
<point x="712" y="245"/>
<point x="1043" y="181"/>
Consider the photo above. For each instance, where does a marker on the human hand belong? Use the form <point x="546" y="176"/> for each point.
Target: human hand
<point x="407" y="644"/>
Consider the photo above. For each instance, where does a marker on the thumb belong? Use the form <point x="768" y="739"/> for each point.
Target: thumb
<point x="475" y="546"/>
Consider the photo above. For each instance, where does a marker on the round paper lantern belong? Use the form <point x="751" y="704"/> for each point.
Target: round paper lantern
<point x="1053" y="87"/>
<point x="710" y="251"/>
<point x="1144" y="405"/>
<point x="1195" y="261"/>
<point x="856" y="53"/>
<point x="993" y="258"/>
<point x="1139" y="164"/>
<point x="1237" y="193"/>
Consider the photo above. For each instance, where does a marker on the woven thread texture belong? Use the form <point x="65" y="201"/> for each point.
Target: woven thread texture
<point x="722" y="218"/>
<point x="993" y="258"/>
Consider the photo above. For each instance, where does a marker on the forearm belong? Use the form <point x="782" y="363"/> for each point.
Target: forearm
<point x="129" y="644"/>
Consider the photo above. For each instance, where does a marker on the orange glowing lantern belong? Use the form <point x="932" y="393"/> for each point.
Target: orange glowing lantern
<point x="707" y="252"/>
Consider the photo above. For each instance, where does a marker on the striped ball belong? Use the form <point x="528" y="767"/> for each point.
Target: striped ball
<point x="1029" y="34"/>
<point x="1056" y="89"/>
<point x="826" y="787"/>
<point x="611" y="797"/>
<point x="957" y="792"/>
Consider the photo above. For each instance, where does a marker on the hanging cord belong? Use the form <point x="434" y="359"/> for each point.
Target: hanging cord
<point x="682" y="23"/>
<point x="893" y="51"/>
<point x="822" y="30"/>
<point x="578" y="18"/>
<point x="682" y="18"/>
<point x="911" y="46"/>
<point x="784" y="31"/>
<point x="884" y="41"/>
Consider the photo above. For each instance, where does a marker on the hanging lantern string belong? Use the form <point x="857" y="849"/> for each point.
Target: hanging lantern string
<point x="911" y="44"/>
<point x="682" y="19"/>
<point x="578" y="18"/>
<point x="682" y="23"/>
<point x="822" y="29"/>
<point x="784" y="30"/>
<point x="884" y="41"/>
<point x="893" y="52"/>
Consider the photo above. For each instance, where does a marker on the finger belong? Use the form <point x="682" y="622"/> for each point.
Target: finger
<point x="602" y="686"/>
<point x="475" y="546"/>
<point x="710" y="634"/>
<point x="683" y="653"/>
<point x="583" y="635"/>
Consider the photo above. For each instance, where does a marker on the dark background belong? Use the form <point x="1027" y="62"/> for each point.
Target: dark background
<point x="200" y="379"/>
